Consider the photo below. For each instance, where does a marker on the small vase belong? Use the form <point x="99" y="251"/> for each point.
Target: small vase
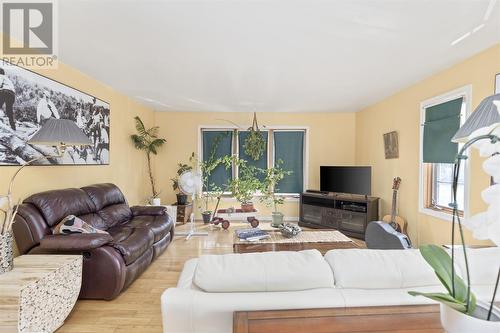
<point x="156" y="201"/>
<point x="6" y="252"/>
<point x="454" y="321"/>
<point x="181" y="199"/>
<point x="247" y="207"/>
<point x="277" y="219"/>
<point x="206" y="216"/>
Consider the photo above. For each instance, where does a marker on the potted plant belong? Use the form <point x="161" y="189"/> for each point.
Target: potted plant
<point x="254" y="144"/>
<point x="460" y="311"/>
<point x="269" y="187"/>
<point x="181" y="168"/>
<point x="246" y="185"/>
<point x="148" y="141"/>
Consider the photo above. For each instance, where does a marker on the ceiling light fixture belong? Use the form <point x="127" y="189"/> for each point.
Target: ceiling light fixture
<point x="491" y="5"/>
<point x="461" y="38"/>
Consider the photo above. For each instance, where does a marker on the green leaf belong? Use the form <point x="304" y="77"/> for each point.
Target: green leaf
<point x="442" y="298"/>
<point x="440" y="261"/>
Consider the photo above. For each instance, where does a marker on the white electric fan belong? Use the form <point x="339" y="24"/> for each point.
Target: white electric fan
<point x="190" y="183"/>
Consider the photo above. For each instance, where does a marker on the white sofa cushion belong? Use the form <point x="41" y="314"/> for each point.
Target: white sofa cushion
<point x="380" y="269"/>
<point x="260" y="272"/>
<point x="483" y="264"/>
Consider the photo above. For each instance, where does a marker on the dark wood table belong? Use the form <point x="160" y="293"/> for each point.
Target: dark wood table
<point x="329" y="240"/>
<point x="379" y="319"/>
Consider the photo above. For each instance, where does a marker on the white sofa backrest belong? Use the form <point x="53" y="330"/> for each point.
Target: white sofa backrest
<point x="483" y="264"/>
<point x="380" y="269"/>
<point x="268" y="271"/>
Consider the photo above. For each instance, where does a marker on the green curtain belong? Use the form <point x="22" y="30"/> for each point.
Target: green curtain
<point x="260" y="163"/>
<point x="442" y="121"/>
<point x="217" y="144"/>
<point x="289" y="147"/>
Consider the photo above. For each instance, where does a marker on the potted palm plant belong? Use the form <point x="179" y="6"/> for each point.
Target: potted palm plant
<point x="148" y="141"/>
<point x="269" y="189"/>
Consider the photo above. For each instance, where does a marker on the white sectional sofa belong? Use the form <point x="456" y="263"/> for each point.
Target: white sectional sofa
<point x="212" y="287"/>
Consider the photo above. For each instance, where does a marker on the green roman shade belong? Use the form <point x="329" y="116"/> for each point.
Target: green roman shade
<point x="260" y="163"/>
<point x="442" y="121"/>
<point x="289" y="147"/>
<point x="217" y="144"/>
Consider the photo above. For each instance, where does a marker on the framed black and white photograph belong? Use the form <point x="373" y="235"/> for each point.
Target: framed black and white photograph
<point x="28" y="100"/>
<point x="391" y="145"/>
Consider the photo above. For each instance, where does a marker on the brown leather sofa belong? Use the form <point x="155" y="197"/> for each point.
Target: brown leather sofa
<point x="137" y="235"/>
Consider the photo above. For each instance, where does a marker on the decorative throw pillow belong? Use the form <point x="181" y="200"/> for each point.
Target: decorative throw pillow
<point x="74" y="225"/>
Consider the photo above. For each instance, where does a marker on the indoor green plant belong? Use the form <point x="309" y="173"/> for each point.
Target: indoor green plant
<point x="254" y="144"/>
<point x="460" y="312"/>
<point x="269" y="191"/>
<point x="246" y="185"/>
<point x="148" y="141"/>
<point x="181" y="168"/>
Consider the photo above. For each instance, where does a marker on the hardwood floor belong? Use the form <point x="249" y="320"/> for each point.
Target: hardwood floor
<point x="138" y="308"/>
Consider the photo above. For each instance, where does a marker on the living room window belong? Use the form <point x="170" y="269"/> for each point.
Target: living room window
<point x="287" y="144"/>
<point x="441" y="117"/>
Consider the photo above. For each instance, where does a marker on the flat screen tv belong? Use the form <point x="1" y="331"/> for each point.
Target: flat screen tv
<point x="346" y="179"/>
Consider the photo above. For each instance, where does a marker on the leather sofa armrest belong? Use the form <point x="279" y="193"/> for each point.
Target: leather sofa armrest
<point x="148" y="210"/>
<point x="74" y="242"/>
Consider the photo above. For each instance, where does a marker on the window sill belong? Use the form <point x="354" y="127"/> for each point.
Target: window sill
<point x="442" y="215"/>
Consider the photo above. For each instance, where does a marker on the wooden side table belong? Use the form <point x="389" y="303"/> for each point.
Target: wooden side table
<point x="184" y="212"/>
<point x="39" y="293"/>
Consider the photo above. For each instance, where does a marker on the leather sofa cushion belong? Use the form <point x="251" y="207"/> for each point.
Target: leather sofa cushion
<point x="131" y="243"/>
<point x="104" y="195"/>
<point x="380" y="269"/>
<point x="115" y="215"/>
<point x="159" y="225"/>
<point x="268" y="271"/>
<point x="74" y="242"/>
<point x="57" y="204"/>
<point x="94" y="220"/>
<point x="483" y="264"/>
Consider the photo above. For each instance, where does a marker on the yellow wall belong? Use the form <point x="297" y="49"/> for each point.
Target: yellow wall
<point x="331" y="141"/>
<point x="127" y="166"/>
<point x="401" y="112"/>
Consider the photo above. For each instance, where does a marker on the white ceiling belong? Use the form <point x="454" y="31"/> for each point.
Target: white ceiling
<point x="246" y="55"/>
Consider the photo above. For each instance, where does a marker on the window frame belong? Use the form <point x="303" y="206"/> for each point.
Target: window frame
<point x="426" y="178"/>
<point x="270" y="150"/>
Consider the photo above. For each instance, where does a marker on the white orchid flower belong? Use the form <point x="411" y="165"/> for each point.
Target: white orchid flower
<point x="492" y="167"/>
<point x="485" y="147"/>
<point x="4" y="202"/>
<point x="491" y="195"/>
<point x="478" y="225"/>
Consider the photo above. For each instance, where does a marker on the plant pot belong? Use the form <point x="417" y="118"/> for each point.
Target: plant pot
<point x="206" y="216"/>
<point x="6" y="252"/>
<point x="247" y="207"/>
<point x="182" y="199"/>
<point x="277" y="219"/>
<point x="454" y="321"/>
<point x="155" y="201"/>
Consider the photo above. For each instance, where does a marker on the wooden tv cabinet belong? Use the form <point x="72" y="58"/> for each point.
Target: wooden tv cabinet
<point x="348" y="213"/>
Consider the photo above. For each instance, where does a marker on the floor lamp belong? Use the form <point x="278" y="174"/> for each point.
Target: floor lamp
<point x="59" y="133"/>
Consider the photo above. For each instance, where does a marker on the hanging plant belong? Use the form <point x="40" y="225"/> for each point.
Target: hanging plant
<point x="255" y="144"/>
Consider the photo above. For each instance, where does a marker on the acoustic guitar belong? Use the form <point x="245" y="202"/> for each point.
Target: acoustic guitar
<point x="397" y="222"/>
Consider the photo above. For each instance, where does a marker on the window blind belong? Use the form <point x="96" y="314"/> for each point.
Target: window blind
<point x="217" y="144"/>
<point x="289" y="147"/>
<point x="442" y="121"/>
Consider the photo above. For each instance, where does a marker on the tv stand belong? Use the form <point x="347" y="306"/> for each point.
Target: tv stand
<point x="348" y="213"/>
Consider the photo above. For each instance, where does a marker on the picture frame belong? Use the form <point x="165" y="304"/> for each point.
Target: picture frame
<point x="29" y="99"/>
<point x="391" y="145"/>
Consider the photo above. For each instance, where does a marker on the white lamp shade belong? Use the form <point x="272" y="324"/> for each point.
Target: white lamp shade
<point x="57" y="131"/>
<point x="486" y="115"/>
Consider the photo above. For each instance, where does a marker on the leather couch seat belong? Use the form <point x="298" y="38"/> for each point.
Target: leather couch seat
<point x="360" y="278"/>
<point x="137" y="235"/>
<point x="131" y="242"/>
<point x="156" y="224"/>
